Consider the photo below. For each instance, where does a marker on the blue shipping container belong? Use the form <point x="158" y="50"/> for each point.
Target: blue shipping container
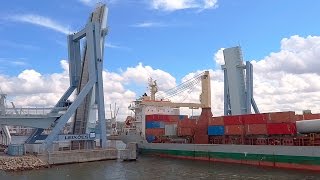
<point x="150" y="138"/>
<point x="216" y="130"/>
<point x="154" y="124"/>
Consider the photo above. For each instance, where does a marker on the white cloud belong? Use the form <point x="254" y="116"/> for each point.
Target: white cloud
<point x="297" y="55"/>
<point x="41" y="21"/>
<point x="115" y="46"/>
<point x="140" y="74"/>
<point x="149" y="24"/>
<point x="209" y="4"/>
<point x="173" y="5"/>
<point x="279" y="89"/>
<point x="218" y="58"/>
<point x="13" y="62"/>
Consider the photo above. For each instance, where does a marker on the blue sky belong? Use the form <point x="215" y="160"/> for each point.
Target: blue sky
<point x="177" y="41"/>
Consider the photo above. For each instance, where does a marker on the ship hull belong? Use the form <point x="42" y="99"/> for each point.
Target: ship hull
<point x="292" y="157"/>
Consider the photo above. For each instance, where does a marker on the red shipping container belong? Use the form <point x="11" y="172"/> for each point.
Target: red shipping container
<point x="254" y="119"/>
<point x="282" y="117"/>
<point x="152" y="117"/>
<point x="233" y="120"/>
<point x="166" y="118"/>
<point x="255" y="129"/>
<point x="149" y="117"/>
<point x="158" y="117"/>
<point x="173" y="118"/>
<point x="201" y="139"/>
<point x="282" y="128"/>
<point x="234" y="130"/>
<point x="216" y="121"/>
<point x="311" y="116"/>
<point x="185" y="131"/>
<point x="298" y="117"/>
<point x="266" y="116"/>
<point x="191" y="123"/>
<point x="155" y="131"/>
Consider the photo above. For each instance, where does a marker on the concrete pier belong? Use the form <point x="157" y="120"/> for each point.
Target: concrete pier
<point x="78" y="156"/>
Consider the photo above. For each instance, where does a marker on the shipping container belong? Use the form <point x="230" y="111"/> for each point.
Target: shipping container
<point x="311" y="116"/>
<point x="256" y="129"/>
<point x="166" y="118"/>
<point x="173" y="118"/>
<point x="282" y="117"/>
<point x="149" y="118"/>
<point x="170" y="129"/>
<point x="282" y="128"/>
<point x="187" y="123"/>
<point x="233" y="120"/>
<point x="155" y="131"/>
<point x="150" y="138"/>
<point x="234" y="130"/>
<point x="201" y="139"/>
<point x="154" y="124"/>
<point x="254" y="119"/>
<point x="298" y="117"/>
<point x="216" y="121"/>
<point x="216" y="130"/>
<point x="183" y="131"/>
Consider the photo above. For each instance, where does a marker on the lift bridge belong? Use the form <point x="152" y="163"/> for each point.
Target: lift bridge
<point x="238" y="83"/>
<point x="85" y="74"/>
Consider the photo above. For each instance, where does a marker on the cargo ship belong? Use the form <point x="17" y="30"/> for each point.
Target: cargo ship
<point x="272" y="139"/>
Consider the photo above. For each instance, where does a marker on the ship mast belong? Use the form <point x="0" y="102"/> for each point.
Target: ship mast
<point x="153" y="88"/>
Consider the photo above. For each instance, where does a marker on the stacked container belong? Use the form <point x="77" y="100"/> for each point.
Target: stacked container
<point x="186" y="127"/>
<point x="233" y="125"/>
<point x="155" y="126"/>
<point x="158" y="125"/>
<point x="216" y="126"/>
<point x="255" y="124"/>
<point x="281" y="123"/>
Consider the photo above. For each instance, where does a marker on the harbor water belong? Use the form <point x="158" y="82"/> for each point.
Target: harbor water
<point x="148" y="167"/>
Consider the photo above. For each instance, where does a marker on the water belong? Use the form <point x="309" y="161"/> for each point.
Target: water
<point x="148" y="167"/>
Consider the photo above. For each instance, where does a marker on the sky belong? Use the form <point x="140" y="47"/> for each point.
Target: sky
<point x="168" y="40"/>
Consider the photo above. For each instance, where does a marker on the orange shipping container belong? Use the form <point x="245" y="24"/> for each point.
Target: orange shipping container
<point x="298" y="117"/>
<point x="182" y="131"/>
<point x="254" y="129"/>
<point x="282" y="117"/>
<point x="311" y="116"/>
<point x="216" y="121"/>
<point x="155" y="131"/>
<point x="188" y="123"/>
<point x="234" y="130"/>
